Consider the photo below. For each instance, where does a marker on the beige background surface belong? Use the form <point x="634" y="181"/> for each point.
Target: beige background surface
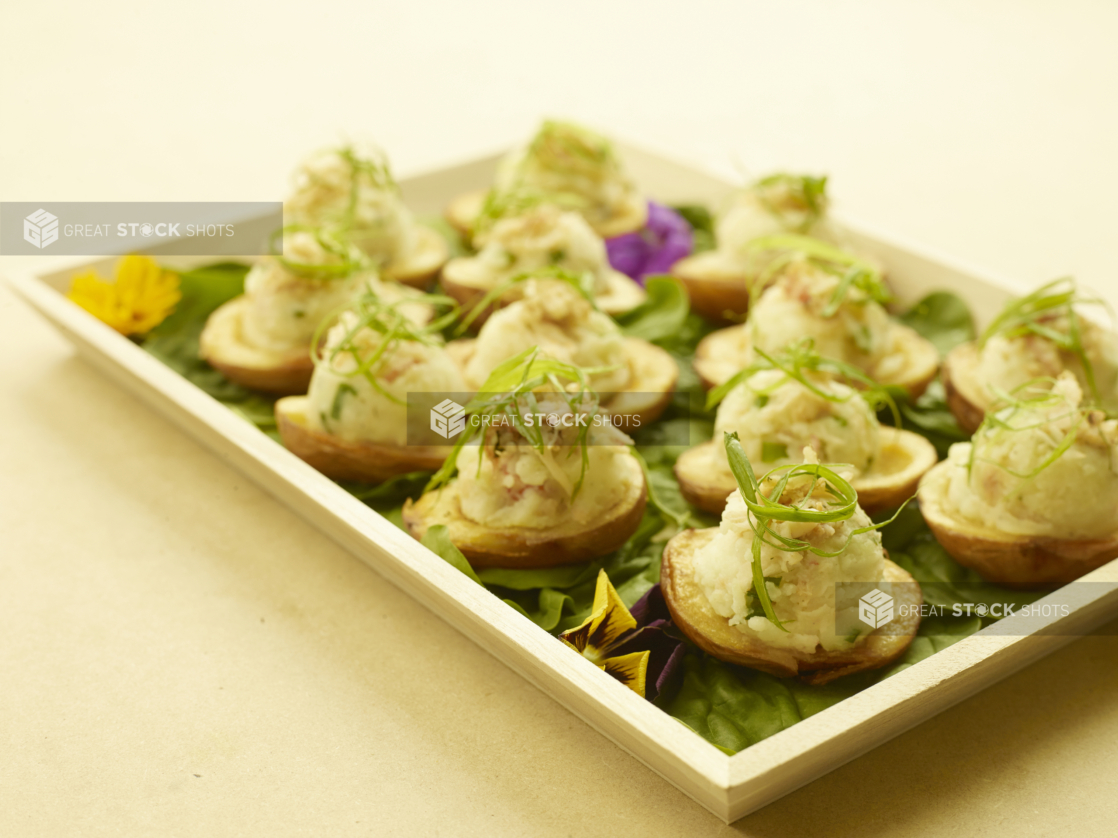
<point x="179" y="655"/>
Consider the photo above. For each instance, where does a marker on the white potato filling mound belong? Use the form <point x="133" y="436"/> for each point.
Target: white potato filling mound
<point x="859" y="332"/>
<point x="558" y="319"/>
<point x="776" y="417"/>
<point x="801" y="585"/>
<point x="568" y="159"/>
<point x="520" y="486"/>
<point x="1006" y="363"/>
<point x="1010" y="486"/>
<point x="351" y="407"/>
<point x="284" y="308"/>
<point x="542" y="237"/>
<point x="330" y="189"/>
<point x="758" y="212"/>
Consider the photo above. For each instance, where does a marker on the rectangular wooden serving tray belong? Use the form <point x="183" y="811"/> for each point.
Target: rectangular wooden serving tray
<point x="729" y="786"/>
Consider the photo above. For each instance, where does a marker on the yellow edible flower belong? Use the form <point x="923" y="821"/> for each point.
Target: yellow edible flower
<point x="603" y="631"/>
<point x="139" y="299"/>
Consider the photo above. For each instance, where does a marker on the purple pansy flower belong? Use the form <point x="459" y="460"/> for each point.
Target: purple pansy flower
<point x="656" y="633"/>
<point x="665" y="239"/>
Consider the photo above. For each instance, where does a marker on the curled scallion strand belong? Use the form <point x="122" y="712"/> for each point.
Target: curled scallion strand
<point x="763" y="507"/>
<point x="558" y="147"/>
<point x="332" y="240"/>
<point x="853" y="271"/>
<point x="581" y="282"/>
<point x="797" y="361"/>
<point x="387" y="320"/>
<point x="566" y="147"/>
<point x="807" y="193"/>
<point x="1033" y="313"/>
<point x="518" y="199"/>
<point x="1038" y="396"/>
<point x="511" y="388"/>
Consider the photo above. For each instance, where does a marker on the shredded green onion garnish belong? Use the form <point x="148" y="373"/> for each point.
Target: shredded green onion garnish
<point x="375" y="170"/>
<point x="1039" y="398"/>
<point x="510" y="392"/>
<point x="388" y="321"/>
<point x="798" y="361"/>
<point x="518" y="199"/>
<point x="783" y="193"/>
<point x="558" y="147"/>
<point x="566" y="147"/>
<point x="853" y="271"/>
<point x="826" y="484"/>
<point x="583" y="283"/>
<point x="349" y="259"/>
<point x="1040" y="313"/>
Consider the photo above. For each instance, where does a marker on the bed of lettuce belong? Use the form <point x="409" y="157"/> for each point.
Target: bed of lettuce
<point x="730" y="706"/>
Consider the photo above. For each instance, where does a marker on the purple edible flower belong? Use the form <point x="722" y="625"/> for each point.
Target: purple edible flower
<point x="659" y="636"/>
<point x="665" y="239"/>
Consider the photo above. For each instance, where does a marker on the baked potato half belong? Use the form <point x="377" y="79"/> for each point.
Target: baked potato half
<point x="1015" y="561"/>
<point x="422" y="266"/>
<point x="652" y="381"/>
<point x="223" y="347"/>
<point x="718" y="357"/>
<point x="718" y="290"/>
<point x="468" y="290"/>
<point x="966" y="398"/>
<point x="464" y="209"/>
<point x="527" y="547"/>
<point x="693" y="614"/>
<point x="340" y="459"/>
<point x="903" y="460"/>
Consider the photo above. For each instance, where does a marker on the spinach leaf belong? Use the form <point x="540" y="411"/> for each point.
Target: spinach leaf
<point x="734" y="707"/>
<point x="557" y="599"/>
<point x="943" y="580"/>
<point x="661" y="315"/>
<point x="702" y="225"/>
<point x="437" y="540"/>
<point x="175" y="341"/>
<point x="943" y="318"/>
<point x="928" y="416"/>
<point x="203" y="289"/>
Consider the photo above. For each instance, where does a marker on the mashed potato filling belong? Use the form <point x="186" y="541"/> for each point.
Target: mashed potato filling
<point x="354" y="189"/>
<point x="764" y="210"/>
<point x="284" y="308"/>
<point x="859" y="332"/>
<point x="350" y="406"/>
<point x="1003" y="477"/>
<point x="557" y="318"/>
<point x="801" y="585"/>
<point x="776" y="417"/>
<point x="1006" y="363"/>
<point x="542" y="237"/>
<point x="517" y="485"/>
<point x="564" y="158"/>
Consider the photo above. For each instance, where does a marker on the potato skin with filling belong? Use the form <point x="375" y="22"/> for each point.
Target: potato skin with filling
<point x="525" y="547"/>
<point x="712" y="633"/>
<point x="1025" y="562"/>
